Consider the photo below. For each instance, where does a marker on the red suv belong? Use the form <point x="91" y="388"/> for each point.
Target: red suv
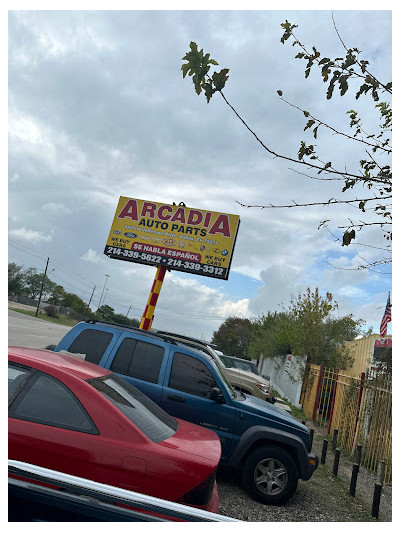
<point x="76" y="417"/>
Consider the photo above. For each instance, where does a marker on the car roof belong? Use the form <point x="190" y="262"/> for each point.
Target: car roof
<point x="46" y="360"/>
<point x="194" y="349"/>
<point x="126" y="327"/>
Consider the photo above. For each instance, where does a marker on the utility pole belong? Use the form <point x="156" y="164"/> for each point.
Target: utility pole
<point x="41" y="288"/>
<point x="105" y="294"/>
<point x="126" y="316"/>
<point x="87" y="307"/>
<point x="102" y="292"/>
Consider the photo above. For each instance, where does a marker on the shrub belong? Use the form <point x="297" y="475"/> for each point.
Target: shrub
<point x="51" y="311"/>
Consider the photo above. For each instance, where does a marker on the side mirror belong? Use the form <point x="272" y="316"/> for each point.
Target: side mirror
<point x="216" y="395"/>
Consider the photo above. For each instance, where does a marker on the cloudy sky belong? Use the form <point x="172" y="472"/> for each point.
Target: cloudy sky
<point x="98" y="109"/>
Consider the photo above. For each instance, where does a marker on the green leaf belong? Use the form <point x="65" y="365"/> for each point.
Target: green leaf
<point x="220" y="78"/>
<point x="185" y="69"/>
<point x="348" y="236"/>
<point x="310" y="123"/>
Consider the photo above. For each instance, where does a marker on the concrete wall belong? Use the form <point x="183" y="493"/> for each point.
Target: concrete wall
<point x="285" y="375"/>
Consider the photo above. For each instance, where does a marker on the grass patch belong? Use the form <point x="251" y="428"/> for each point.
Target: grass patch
<point x="337" y="497"/>
<point x="62" y="319"/>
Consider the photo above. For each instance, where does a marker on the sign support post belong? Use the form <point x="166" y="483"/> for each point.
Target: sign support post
<point x="148" y="314"/>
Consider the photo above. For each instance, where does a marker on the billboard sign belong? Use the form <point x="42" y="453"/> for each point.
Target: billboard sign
<point x="177" y="237"/>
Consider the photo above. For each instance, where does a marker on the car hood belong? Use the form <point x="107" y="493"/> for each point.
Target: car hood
<point x="259" y="412"/>
<point x="195" y="440"/>
<point x="235" y="372"/>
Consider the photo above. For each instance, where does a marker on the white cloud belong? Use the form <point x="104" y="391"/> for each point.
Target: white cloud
<point x="58" y="209"/>
<point x="14" y="178"/>
<point x="92" y="256"/>
<point x="30" y="235"/>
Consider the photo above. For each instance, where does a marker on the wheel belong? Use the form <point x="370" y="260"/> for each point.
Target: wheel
<point x="270" y="475"/>
<point x="50" y="347"/>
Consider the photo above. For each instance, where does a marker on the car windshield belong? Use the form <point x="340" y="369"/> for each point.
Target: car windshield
<point x="247" y="366"/>
<point x="218" y="368"/>
<point x="143" y="412"/>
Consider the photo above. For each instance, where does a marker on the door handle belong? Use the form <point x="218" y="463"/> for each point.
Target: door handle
<point x="175" y="398"/>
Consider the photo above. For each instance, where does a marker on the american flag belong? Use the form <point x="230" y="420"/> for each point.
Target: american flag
<point x="387" y="317"/>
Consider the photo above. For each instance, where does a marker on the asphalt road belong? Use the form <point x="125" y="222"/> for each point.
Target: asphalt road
<point x="24" y="330"/>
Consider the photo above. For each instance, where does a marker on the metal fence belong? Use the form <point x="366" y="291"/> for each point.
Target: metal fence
<point x="359" y="408"/>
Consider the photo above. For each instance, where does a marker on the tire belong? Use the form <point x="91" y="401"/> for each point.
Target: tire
<point x="270" y="475"/>
<point x="50" y="347"/>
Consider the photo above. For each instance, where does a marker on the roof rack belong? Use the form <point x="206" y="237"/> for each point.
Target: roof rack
<point x="185" y="337"/>
<point x="126" y="326"/>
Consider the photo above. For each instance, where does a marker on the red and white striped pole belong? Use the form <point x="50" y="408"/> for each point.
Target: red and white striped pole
<point x="148" y="314"/>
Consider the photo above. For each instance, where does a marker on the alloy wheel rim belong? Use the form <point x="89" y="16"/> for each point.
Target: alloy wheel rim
<point x="270" y="476"/>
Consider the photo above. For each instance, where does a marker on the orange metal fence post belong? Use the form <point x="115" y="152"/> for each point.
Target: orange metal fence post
<point x="360" y="393"/>
<point x="333" y="402"/>
<point x="148" y="315"/>
<point x="321" y="370"/>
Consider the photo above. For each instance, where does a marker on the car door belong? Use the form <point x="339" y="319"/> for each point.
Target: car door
<point x="188" y="384"/>
<point x="141" y="362"/>
<point x="48" y="426"/>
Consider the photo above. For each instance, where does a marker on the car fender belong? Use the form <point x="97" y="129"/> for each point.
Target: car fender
<point x="276" y="436"/>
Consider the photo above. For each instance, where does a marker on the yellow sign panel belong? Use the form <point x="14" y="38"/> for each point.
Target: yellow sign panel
<point x="177" y="237"/>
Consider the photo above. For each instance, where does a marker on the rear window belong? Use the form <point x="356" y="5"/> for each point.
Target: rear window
<point x="143" y="412"/>
<point x="93" y="343"/>
<point x="138" y="359"/>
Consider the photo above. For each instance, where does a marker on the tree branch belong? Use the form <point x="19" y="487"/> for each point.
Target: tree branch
<point x="329" y="202"/>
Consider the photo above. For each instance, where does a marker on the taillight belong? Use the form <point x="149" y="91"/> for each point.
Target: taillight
<point x="201" y="494"/>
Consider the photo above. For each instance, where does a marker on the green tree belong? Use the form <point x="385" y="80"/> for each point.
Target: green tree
<point x="106" y="312"/>
<point x="33" y="283"/>
<point x="233" y="336"/>
<point x="270" y="336"/>
<point x="73" y="302"/>
<point x="16" y="278"/>
<point x="310" y="327"/>
<point x="57" y="295"/>
<point x="372" y="183"/>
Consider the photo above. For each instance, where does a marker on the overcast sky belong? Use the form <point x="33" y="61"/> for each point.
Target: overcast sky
<point x="98" y="109"/>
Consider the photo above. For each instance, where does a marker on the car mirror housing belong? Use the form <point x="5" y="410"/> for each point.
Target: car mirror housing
<point x="216" y="395"/>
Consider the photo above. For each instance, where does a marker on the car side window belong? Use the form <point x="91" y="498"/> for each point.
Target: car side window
<point x="16" y="375"/>
<point x="47" y="401"/>
<point x="191" y="375"/>
<point x="93" y="343"/>
<point x="138" y="359"/>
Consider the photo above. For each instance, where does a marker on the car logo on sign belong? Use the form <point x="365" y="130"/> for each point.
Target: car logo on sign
<point x="224" y="252"/>
<point x="117" y="232"/>
<point x="169" y="242"/>
<point x="131" y="235"/>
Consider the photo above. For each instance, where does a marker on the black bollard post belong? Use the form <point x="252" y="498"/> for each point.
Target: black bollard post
<point x="353" y="481"/>
<point x="356" y="469"/>
<point x="324" y="449"/>
<point x="377" y="500"/>
<point x="336" y="462"/>
<point x="378" y="489"/>
<point x="334" y="441"/>
<point x="311" y="436"/>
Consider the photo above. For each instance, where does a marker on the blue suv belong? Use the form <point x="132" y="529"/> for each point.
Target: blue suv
<point x="271" y="448"/>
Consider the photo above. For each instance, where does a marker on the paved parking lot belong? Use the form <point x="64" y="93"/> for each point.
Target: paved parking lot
<point x="24" y="330"/>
